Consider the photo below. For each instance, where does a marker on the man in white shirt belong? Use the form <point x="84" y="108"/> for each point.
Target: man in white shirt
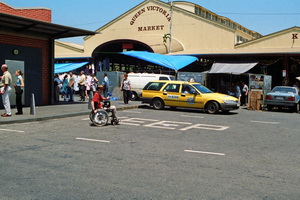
<point x="5" y="91"/>
<point x="244" y="97"/>
<point x="81" y="83"/>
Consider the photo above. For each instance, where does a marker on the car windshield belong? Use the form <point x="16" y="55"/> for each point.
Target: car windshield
<point x="202" y="89"/>
<point x="284" y="90"/>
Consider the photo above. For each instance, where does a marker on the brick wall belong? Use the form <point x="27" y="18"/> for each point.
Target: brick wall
<point x="42" y="14"/>
<point x="44" y="45"/>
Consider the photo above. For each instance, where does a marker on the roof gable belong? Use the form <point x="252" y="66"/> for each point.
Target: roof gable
<point x="287" y="38"/>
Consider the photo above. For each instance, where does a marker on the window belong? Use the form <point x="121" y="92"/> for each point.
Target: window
<point x="153" y="86"/>
<point x="208" y="15"/>
<point x="197" y="10"/>
<point x="202" y="13"/>
<point x="187" y="89"/>
<point x="163" y="78"/>
<point x="172" y="88"/>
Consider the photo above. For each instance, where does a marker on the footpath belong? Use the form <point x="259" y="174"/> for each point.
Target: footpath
<point x="60" y="110"/>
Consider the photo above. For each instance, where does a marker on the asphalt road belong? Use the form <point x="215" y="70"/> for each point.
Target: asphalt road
<point x="181" y="154"/>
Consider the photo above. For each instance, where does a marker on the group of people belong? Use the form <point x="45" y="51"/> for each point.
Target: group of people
<point x="240" y="92"/>
<point x="68" y="83"/>
<point x="6" y="89"/>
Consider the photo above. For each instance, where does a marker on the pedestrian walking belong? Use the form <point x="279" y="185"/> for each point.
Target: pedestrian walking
<point x="126" y="88"/>
<point x="94" y="83"/>
<point x="81" y="83"/>
<point x="105" y="84"/>
<point x="88" y="85"/>
<point x="64" y="88"/>
<point x="244" y="96"/>
<point x="71" y="86"/>
<point x="57" y="87"/>
<point x="19" y="86"/>
<point x="5" y="91"/>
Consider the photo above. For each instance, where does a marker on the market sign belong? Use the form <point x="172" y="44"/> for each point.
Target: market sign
<point x="150" y="9"/>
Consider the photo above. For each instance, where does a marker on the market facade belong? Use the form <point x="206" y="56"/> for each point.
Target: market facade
<point x="188" y="29"/>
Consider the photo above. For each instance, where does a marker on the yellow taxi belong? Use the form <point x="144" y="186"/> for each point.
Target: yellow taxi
<point x="186" y="94"/>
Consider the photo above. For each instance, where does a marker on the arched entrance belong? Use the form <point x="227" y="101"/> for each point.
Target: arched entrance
<point x="106" y="57"/>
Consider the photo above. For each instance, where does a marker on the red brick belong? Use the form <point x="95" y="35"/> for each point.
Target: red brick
<point x="42" y="14"/>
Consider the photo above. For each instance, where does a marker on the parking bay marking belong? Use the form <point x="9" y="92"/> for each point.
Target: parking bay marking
<point x="264" y="122"/>
<point x="171" y="125"/>
<point x="93" y="140"/>
<point x="192" y="116"/>
<point x="129" y="111"/>
<point x="204" y="152"/>
<point x="10" y="130"/>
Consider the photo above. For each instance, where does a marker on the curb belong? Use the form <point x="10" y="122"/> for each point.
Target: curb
<point x="50" y="117"/>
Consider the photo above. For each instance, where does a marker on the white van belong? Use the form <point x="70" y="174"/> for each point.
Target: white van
<point x="139" y="80"/>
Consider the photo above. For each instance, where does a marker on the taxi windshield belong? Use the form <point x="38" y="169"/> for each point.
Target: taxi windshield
<point x="202" y="89"/>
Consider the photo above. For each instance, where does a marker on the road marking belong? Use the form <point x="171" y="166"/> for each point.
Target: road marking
<point x="10" y="130"/>
<point x="192" y="116"/>
<point x="263" y="122"/>
<point x="206" y="127"/>
<point x="204" y="152"/>
<point x="137" y="121"/>
<point x="167" y="124"/>
<point x="129" y="111"/>
<point x="93" y="140"/>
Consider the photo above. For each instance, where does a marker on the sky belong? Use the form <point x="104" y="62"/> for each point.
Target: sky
<point x="262" y="16"/>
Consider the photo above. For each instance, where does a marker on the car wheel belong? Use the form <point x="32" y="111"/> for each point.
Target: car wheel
<point x="134" y="96"/>
<point x="212" y="107"/>
<point x="158" y="104"/>
<point x="297" y="108"/>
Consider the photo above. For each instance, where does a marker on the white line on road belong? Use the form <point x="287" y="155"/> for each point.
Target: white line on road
<point x="192" y="116"/>
<point x="204" y="152"/>
<point x="9" y="130"/>
<point x="93" y="140"/>
<point x="129" y="111"/>
<point x="263" y="122"/>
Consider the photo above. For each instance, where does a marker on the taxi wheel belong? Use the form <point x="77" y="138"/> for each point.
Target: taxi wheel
<point x="212" y="107"/>
<point x="158" y="104"/>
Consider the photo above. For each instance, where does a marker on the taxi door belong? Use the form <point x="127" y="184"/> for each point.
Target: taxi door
<point x="190" y="98"/>
<point x="171" y="94"/>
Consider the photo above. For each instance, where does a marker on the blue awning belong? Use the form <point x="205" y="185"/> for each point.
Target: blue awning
<point x="66" y="67"/>
<point x="175" y="62"/>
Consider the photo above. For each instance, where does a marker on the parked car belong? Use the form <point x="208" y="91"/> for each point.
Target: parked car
<point x="186" y="94"/>
<point x="139" y="80"/>
<point x="283" y="96"/>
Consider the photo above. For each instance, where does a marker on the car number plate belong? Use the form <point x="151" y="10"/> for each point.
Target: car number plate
<point x="279" y="98"/>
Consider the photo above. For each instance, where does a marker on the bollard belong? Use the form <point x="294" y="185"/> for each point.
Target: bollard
<point x="32" y="105"/>
<point x="90" y="100"/>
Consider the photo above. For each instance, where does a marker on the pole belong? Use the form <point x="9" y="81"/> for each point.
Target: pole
<point x="32" y="105"/>
<point x="171" y="23"/>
